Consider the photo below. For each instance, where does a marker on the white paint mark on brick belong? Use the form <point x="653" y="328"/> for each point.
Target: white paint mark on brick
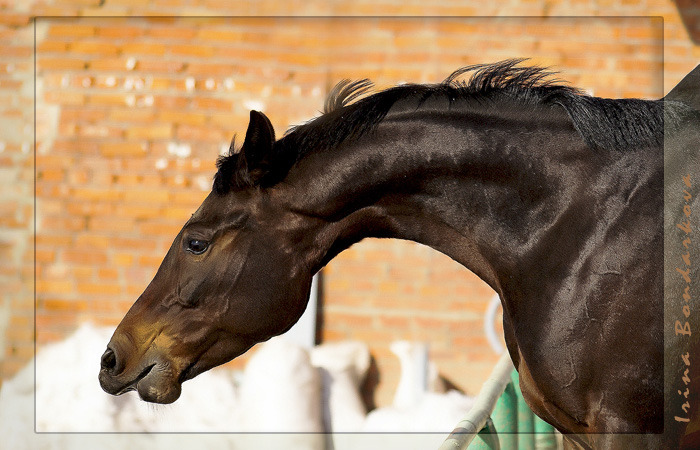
<point x="5" y="313"/>
<point x="179" y="150"/>
<point x="196" y="163"/>
<point x="203" y="183"/>
<point x="57" y="270"/>
<point x="210" y="84"/>
<point x="257" y="105"/>
<point x="130" y="100"/>
<point x="148" y="100"/>
<point x="130" y="63"/>
<point x="46" y="121"/>
<point x="316" y="92"/>
<point x="87" y="82"/>
<point x="65" y="81"/>
<point x="110" y="82"/>
<point x="296" y="91"/>
<point x="161" y="163"/>
<point x="189" y="83"/>
<point x="2" y="146"/>
<point x="229" y="84"/>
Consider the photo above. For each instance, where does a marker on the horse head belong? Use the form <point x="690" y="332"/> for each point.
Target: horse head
<point x="228" y="281"/>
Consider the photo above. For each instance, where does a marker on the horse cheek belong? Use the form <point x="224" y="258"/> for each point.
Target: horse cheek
<point x="188" y="290"/>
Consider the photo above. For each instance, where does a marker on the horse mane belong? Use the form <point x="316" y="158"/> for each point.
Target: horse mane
<point x="349" y="112"/>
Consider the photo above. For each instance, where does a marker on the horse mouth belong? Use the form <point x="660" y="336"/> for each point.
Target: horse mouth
<point x="133" y="385"/>
<point x="190" y="372"/>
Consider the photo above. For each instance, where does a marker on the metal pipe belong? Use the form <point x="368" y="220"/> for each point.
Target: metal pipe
<point x="545" y="438"/>
<point x="493" y="387"/>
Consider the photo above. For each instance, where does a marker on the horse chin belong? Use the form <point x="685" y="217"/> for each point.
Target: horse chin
<point x="159" y="386"/>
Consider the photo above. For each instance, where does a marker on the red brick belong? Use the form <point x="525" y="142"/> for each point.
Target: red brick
<point x="138" y="211"/>
<point x="93" y="241"/>
<point x="163" y="102"/>
<point x="54" y="286"/>
<point x="212" y="103"/>
<point x="150" y="196"/>
<point x="161" y="131"/>
<point x="45" y="256"/>
<point x="150" y="261"/>
<point x="182" y="117"/>
<point x="159" y="66"/>
<point x="110" y="64"/>
<point x="141" y="48"/>
<point x="14" y="19"/>
<point x="199" y="51"/>
<point x="220" y="34"/>
<point x="74" y="224"/>
<point x="167" y="230"/>
<point x="51" y="46"/>
<point x="88" y="208"/>
<point x="172" y="33"/>
<point x="108" y="274"/>
<point x="199" y="133"/>
<point x="64" y="97"/>
<point x="74" y="30"/>
<point x="114" y="224"/>
<point x="120" y="32"/>
<point x="101" y="288"/>
<point x="123" y="259"/>
<point x="133" y="3"/>
<point x="101" y="194"/>
<point x="395" y="321"/>
<point x="82" y="114"/>
<point x="131" y="115"/>
<point x="349" y="320"/>
<point x="53" y="240"/>
<point x="19" y="334"/>
<point x="93" y="48"/>
<point x="85" y="256"/>
<point x="99" y="131"/>
<point x="124" y="149"/>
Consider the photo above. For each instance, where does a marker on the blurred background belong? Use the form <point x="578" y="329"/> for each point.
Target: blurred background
<point x="131" y="113"/>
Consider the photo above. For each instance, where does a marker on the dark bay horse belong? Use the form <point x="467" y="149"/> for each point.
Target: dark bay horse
<point x="554" y="198"/>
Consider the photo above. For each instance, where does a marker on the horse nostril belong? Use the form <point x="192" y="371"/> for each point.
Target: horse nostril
<point x="109" y="359"/>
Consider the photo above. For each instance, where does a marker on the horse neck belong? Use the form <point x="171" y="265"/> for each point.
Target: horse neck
<point x="475" y="189"/>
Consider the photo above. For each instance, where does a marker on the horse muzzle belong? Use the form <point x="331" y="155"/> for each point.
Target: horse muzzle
<point x="153" y="379"/>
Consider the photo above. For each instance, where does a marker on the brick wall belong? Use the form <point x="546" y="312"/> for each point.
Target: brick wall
<point x="131" y="114"/>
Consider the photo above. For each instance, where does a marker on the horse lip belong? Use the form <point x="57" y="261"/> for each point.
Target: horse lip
<point x="189" y="372"/>
<point x="133" y="384"/>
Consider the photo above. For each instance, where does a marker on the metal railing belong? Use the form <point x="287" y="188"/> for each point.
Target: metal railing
<point x="500" y="419"/>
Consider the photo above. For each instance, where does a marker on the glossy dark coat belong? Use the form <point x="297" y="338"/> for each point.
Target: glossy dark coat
<point x="514" y="177"/>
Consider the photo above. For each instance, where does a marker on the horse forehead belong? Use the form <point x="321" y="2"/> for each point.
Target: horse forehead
<point x="217" y="206"/>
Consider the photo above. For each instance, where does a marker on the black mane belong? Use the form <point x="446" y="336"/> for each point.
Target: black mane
<point x="604" y="124"/>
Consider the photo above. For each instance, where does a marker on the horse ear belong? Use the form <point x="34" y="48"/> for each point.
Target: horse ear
<point x="257" y="148"/>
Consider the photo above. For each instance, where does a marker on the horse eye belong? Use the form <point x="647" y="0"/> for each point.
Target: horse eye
<point x="197" y="246"/>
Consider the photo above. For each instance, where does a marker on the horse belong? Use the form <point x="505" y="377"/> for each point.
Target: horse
<point x="551" y="196"/>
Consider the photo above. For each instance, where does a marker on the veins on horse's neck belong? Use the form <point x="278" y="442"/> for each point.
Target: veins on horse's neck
<point x="464" y="196"/>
